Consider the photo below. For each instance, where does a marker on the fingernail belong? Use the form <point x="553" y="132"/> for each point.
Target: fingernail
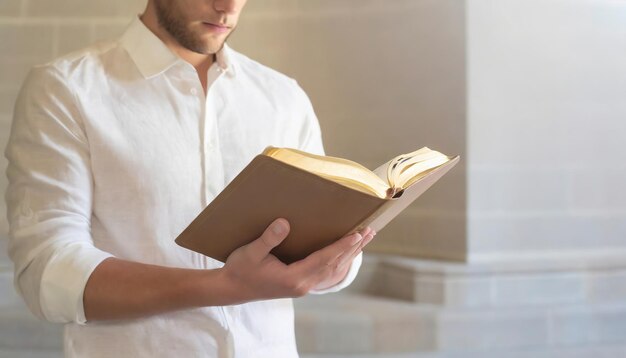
<point x="279" y="228"/>
<point x="357" y="238"/>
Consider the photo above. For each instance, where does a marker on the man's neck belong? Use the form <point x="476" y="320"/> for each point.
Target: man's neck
<point x="200" y="62"/>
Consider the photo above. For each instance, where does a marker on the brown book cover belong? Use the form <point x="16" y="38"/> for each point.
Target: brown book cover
<point x="319" y="211"/>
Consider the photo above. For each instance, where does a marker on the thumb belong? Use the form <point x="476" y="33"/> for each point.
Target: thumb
<point x="275" y="233"/>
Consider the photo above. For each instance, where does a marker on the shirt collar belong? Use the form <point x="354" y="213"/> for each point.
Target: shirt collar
<point x="153" y="57"/>
<point x="225" y="60"/>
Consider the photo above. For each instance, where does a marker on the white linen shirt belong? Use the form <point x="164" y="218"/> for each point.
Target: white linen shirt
<point x="113" y="151"/>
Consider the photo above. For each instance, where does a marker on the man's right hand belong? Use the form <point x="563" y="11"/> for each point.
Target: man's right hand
<point x="253" y="273"/>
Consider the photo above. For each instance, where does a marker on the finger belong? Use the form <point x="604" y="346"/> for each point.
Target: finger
<point x="273" y="235"/>
<point x="347" y="258"/>
<point x="330" y="254"/>
<point x="326" y="256"/>
<point x="366" y="240"/>
<point x="366" y="231"/>
<point x="358" y="246"/>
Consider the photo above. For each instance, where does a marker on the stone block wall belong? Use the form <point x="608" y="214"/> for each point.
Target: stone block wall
<point x="572" y="307"/>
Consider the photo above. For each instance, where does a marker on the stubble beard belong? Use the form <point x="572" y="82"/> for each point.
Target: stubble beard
<point x="171" y="19"/>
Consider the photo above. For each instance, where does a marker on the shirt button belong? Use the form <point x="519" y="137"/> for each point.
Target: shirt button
<point x="193" y="91"/>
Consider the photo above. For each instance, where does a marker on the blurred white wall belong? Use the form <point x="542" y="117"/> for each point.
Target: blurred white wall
<point x="546" y="127"/>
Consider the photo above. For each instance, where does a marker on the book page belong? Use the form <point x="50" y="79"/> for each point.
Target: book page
<point x="381" y="171"/>
<point x="342" y="171"/>
<point x="393" y="207"/>
<point x="405" y="169"/>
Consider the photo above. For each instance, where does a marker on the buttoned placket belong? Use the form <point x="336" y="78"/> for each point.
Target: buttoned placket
<point x="213" y="168"/>
<point x="211" y="155"/>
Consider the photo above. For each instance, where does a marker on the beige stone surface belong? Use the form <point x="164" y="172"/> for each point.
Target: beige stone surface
<point x="72" y="37"/>
<point x="26" y="40"/>
<point x="10" y="7"/>
<point x="81" y="8"/>
<point x="110" y="30"/>
<point x="13" y="71"/>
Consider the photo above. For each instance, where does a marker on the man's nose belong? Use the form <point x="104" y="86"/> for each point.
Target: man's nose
<point x="228" y="6"/>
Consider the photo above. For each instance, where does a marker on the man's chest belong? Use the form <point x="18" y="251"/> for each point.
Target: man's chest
<point x="164" y="138"/>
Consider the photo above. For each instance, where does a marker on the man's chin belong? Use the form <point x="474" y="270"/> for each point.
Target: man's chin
<point x="206" y="48"/>
<point x="211" y="50"/>
<point x="211" y="46"/>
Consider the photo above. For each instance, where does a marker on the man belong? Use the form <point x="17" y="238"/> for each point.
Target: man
<point x="115" y="149"/>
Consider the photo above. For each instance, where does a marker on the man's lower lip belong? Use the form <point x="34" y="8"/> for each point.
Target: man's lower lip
<point x="215" y="28"/>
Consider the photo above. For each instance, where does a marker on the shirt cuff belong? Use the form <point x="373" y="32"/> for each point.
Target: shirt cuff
<point x="350" y="276"/>
<point x="63" y="282"/>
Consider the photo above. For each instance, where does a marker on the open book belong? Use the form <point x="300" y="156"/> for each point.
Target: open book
<point x="323" y="198"/>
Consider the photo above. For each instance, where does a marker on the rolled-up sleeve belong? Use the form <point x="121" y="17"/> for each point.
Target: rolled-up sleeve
<point x="49" y="199"/>
<point x="311" y="142"/>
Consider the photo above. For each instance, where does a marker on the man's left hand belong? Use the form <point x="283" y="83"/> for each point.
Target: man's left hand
<point x="340" y="267"/>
